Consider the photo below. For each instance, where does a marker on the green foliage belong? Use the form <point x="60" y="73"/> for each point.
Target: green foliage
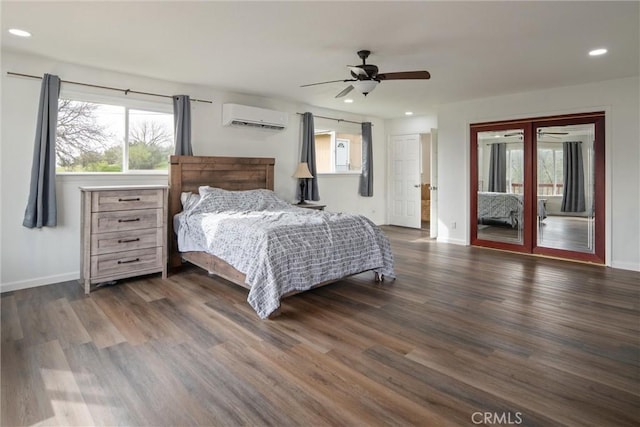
<point x="145" y="156"/>
<point x="83" y="145"/>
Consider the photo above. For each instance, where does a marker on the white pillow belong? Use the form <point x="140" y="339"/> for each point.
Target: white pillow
<point x="188" y="200"/>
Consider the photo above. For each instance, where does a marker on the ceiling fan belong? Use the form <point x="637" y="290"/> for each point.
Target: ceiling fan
<point x="541" y="134"/>
<point x="366" y="76"/>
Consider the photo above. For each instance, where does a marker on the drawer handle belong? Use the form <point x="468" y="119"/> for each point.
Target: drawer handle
<point x="137" y="199"/>
<point x="129" y="220"/>
<point x="129" y="240"/>
<point x="129" y="261"/>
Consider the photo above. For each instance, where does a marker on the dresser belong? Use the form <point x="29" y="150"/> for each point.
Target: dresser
<point x="123" y="232"/>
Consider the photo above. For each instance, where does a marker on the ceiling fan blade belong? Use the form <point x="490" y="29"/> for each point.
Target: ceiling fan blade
<point x="405" y="75"/>
<point x="345" y="91"/>
<point x="322" y="83"/>
<point x="357" y="70"/>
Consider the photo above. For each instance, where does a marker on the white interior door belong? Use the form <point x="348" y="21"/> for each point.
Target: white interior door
<point x="433" y="225"/>
<point x="342" y="155"/>
<point x="405" y="180"/>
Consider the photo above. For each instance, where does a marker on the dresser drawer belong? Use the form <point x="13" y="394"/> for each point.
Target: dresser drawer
<point x="103" y="222"/>
<point x="104" y="243"/>
<point x="124" y="262"/>
<point x="118" y="200"/>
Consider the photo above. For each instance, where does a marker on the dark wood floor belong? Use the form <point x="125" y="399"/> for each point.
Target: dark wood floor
<point x="559" y="232"/>
<point x="463" y="331"/>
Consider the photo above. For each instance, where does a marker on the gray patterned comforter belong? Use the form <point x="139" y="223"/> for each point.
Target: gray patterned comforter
<point x="279" y="247"/>
<point x="500" y="207"/>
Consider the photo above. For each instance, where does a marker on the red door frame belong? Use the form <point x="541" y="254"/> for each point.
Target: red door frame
<point x="530" y="231"/>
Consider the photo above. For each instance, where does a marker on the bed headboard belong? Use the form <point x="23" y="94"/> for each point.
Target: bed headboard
<point x="187" y="173"/>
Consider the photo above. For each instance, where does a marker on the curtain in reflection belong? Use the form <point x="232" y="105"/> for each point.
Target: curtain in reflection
<point x="498" y="168"/>
<point x="573" y="193"/>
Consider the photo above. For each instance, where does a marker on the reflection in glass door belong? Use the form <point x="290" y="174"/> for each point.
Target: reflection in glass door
<point x="537" y="186"/>
<point x="565" y="187"/>
<point x="500" y="203"/>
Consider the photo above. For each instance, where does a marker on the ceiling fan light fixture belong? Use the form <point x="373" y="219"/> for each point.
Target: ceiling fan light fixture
<point x="365" y="86"/>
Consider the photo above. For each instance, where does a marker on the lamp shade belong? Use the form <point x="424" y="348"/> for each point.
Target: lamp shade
<point x="365" y="86"/>
<point x="302" y="171"/>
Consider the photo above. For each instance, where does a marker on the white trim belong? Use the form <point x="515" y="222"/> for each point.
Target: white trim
<point x="94" y="96"/>
<point x="626" y="266"/>
<point x="354" y="173"/>
<point x="39" y="281"/>
<point x="460" y="242"/>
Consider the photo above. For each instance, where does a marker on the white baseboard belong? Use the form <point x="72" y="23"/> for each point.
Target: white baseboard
<point x="452" y="241"/>
<point x="625" y="265"/>
<point x="38" y="281"/>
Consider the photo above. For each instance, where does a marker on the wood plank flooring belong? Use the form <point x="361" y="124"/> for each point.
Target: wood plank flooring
<point x="464" y="336"/>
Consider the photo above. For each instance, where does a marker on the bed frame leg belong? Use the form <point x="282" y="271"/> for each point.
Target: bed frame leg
<point x="378" y="277"/>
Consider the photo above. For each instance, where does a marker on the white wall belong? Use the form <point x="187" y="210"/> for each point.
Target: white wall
<point x="618" y="98"/>
<point x="50" y="255"/>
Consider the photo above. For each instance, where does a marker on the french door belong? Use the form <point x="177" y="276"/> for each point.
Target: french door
<point x="538" y="186"/>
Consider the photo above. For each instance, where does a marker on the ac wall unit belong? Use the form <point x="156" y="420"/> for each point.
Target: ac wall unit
<point x="244" y="115"/>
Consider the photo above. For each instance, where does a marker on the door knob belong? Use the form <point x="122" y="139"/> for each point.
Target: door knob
<point x="417" y="186"/>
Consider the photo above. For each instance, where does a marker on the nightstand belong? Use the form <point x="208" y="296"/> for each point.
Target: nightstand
<point x="310" y="206"/>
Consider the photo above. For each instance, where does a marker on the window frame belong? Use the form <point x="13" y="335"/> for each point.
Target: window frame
<point x="128" y="102"/>
<point x="334" y="129"/>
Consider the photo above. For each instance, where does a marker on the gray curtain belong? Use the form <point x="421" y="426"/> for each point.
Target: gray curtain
<point x="308" y="155"/>
<point x="41" y="208"/>
<point x="498" y="168"/>
<point x="182" y="121"/>
<point x="573" y="191"/>
<point x="366" y="177"/>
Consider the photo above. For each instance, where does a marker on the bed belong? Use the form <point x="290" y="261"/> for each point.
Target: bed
<point x="499" y="208"/>
<point x="233" y="225"/>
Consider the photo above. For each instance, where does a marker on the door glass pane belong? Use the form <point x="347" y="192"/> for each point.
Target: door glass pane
<point x="565" y="190"/>
<point x="501" y="186"/>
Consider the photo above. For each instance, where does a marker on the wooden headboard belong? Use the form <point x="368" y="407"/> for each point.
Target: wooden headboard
<point x="187" y="173"/>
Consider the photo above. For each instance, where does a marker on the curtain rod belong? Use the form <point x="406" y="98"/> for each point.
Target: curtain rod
<point x="337" y="120"/>
<point x="126" y="91"/>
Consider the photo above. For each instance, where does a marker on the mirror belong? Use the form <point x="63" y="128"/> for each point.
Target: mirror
<point x="565" y="187"/>
<point x="500" y="195"/>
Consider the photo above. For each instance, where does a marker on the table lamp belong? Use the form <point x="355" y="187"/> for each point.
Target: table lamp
<point x="302" y="173"/>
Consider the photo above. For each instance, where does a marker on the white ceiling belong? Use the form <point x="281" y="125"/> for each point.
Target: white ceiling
<point x="472" y="49"/>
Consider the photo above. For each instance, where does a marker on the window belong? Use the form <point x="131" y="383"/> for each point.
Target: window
<point x="108" y="137"/>
<point x="550" y="170"/>
<point x="515" y="164"/>
<point x="338" y="152"/>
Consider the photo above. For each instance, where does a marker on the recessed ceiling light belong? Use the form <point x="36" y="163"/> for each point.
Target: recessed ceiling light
<point x="408" y="113"/>
<point x="348" y="101"/>
<point x="19" y="33"/>
<point x="597" y="52"/>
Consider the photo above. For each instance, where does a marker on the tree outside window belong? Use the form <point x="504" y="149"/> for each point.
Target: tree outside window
<point x="93" y="137"/>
